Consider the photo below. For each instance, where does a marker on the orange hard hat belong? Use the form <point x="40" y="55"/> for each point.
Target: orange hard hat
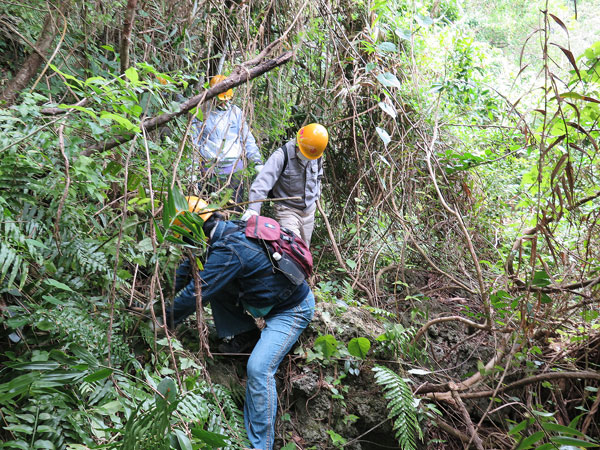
<point x="312" y="140"/>
<point x="228" y="94"/>
<point x="197" y="206"/>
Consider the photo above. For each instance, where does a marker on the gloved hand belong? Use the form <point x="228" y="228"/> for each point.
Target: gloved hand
<point x="249" y="213"/>
<point x="258" y="168"/>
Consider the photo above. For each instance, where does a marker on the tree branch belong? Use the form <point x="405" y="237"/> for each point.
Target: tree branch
<point x="32" y="63"/>
<point x="239" y="76"/>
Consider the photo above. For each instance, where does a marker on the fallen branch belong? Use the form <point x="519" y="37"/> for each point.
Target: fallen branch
<point x="587" y="374"/>
<point x="239" y="76"/>
<point x="465" y="414"/>
<point x="441" y="392"/>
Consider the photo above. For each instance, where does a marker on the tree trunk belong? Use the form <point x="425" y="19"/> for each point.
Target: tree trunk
<point x="32" y="63"/>
<point x="126" y="34"/>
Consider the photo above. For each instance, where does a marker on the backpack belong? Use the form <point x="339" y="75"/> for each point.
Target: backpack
<point x="287" y="252"/>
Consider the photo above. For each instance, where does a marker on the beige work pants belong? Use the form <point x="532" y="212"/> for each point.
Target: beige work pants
<point x="302" y="223"/>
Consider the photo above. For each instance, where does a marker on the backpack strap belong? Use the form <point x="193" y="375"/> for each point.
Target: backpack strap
<point x="285" y="163"/>
<point x="285" y="159"/>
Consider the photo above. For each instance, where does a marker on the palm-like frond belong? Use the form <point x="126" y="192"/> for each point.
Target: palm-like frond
<point x="401" y="406"/>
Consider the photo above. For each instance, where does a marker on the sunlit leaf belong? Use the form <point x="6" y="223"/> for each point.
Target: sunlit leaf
<point x="388" y="80"/>
<point x="385" y="137"/>
<point x="359" y="347"/>
<point x="388" y="109"/>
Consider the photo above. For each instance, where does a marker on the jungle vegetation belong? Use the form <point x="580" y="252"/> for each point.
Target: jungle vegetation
<point x="461" y="193"/>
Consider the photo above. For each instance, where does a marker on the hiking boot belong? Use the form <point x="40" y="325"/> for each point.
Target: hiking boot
<point x="240" y="343"/>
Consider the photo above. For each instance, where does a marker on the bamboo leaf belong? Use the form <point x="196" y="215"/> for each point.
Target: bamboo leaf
<point x="570" y="57"/>
<point x="98" y="375"/>
<point x="530" y="440"/>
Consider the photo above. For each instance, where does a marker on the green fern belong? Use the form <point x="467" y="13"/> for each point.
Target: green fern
<point x="401" y="406"/>
<point x="214" y="409"/>
<point x="18" y="248"/>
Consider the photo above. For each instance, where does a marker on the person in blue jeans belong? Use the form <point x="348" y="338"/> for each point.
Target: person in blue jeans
<point x="240" y="284"/>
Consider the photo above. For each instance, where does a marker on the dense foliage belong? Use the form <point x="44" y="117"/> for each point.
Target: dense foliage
<point x="461" y="193"/>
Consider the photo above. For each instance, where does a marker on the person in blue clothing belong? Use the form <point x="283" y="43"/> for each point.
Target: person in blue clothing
<point x="239" y="283"/>
<point x="225" y="144"/>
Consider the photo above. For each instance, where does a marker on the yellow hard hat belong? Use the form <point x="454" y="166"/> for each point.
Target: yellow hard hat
<point x="195" y="205"/>
<point x="228" y="94"/>
<point x="312" y="140"/>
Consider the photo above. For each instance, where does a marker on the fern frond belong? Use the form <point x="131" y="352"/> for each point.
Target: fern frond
<point x="401" y="406"/>
<point x="214" y="408"/>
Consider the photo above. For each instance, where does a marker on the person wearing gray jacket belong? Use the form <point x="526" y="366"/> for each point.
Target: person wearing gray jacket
<point x="294" y="170"/>
<point x="224" y="142"/>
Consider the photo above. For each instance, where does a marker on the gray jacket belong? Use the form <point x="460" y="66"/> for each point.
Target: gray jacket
<point x="299" y="179"/>
<point x="224" y="138"/>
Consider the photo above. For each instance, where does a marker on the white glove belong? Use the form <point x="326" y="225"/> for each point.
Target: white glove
<point x="258" y="168"/>
<point x="249" y="213"/>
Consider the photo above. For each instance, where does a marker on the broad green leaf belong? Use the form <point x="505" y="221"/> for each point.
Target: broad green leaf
<point x="159" y="235"/>
<point x="43" y="444"/>
<point x="212" y="439"/>
<point x="327" y="345"/>
<point x="110" y="408"/>
<point x="168" y="389"/>
<point x="176" y="204"/>
<point x="388" y="109"/>
<point x="529" y="441"/>
<point x="359" y="347"/>
<point x="562" y="429"/>
<point x="17" y="444"/>
<point x="145" y="245"/>
<point x="58" y="284"/>
<point x="20" y="428"/>
<point x="98" y="375"/>
<point x="45" y="325"/>
<point x="183" y="440"/>
<point x="541" y="278"/>
<point x="422" y="20"/>
<point x="565" y="440"/>
<point x="387" y="47"/>
<point x="79" y="108"/>
<point x="132" y="75"/>
<point x="35" y="365"/>
<point x="123" y="121"/>
<point x="388" y="80"/>
<point x="65" y="75"/>
<point x="403" y="34"/>
<point x="520" y="427"/>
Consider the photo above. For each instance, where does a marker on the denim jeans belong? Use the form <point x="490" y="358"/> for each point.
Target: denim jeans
<point x="276" y="340"/>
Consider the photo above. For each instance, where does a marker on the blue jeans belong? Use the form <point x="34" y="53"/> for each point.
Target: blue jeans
<point x="276" y="340"/>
